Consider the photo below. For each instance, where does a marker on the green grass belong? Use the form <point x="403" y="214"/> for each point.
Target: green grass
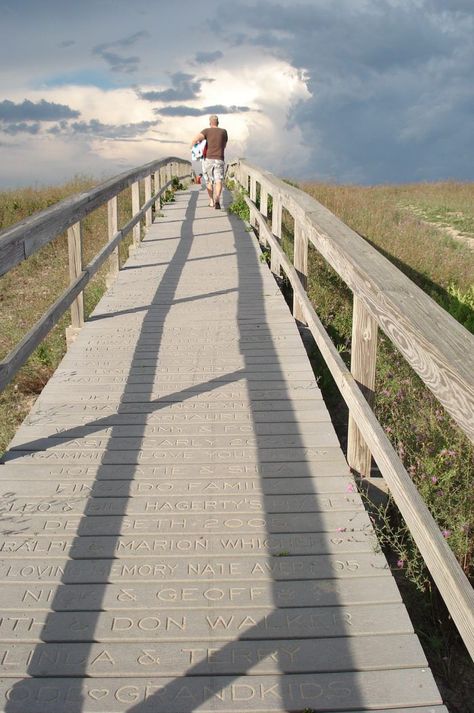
<point x="439" y="458"/>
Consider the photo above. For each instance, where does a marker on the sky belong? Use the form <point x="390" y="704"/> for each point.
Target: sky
<point x="351" y="91"/>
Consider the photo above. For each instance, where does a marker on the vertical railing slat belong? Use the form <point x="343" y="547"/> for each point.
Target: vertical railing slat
<point x="300" y="261"/>
<point x="363" y="364"/>
<point x="263" y="200"/>
<point x="148" y="213"/>
<point x="276" y="230"/>
<point x="135" y="210"/>
<point x="114" y="260"/>
<point x="74" y="240"/>
<point x="156" y="188"/>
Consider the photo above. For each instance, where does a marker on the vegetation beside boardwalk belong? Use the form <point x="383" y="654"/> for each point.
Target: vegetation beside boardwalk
<point x="407" y="224"/>
<point x="27" y="291"/>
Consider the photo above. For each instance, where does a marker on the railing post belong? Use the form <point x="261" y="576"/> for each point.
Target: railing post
<point x="263" y="200"/>
<point x="253" y="189"/>
<point x="363" y="363"/>
<point x="148" y="213"/>
<point x="276" y="230"/>
<point x="162" y="176"/>
<point x="300" y="261"/>
<point x="114" y="261"/>
<point x="253" y="198"/>
<point x="156" y="188"/>
<point x="135" y="210"/>
<point x="74" y="241"/>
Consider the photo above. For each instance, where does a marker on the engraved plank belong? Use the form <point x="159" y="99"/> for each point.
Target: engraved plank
<point x="112" y="472"/>
<point x="169" y="414"/>
<point x="189" y="455"/>
<point x="165" y="504"/>
<point x="320" y="692"/>
<point x="236" y="387"/>
<point x="179" y="625"/>
<point x="340" y="559"/>
<point x="324" y="435"/>
<point x="61" y="407"/>
<point x="242" y="594"/>
<point x="151" y="523"/>
<point x="169" y="659"/>
<point x="145" y="488"/>
<point x="33" y="434"/>
<point x="137" y="377"/>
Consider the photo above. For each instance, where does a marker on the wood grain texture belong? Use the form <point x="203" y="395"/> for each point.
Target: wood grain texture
<point x="363" y="363"/>
<point x="148" y="214"/>
<point x="300" y="261"/>
<point x="26" y="237"/>
<point x="441" y="562"/>
<point x="112" y="228"/>
<point x="74" y="238"/>
<point x="435" y="345"/>
<point x="254" y="583"/>
<point x="135" y="211"/>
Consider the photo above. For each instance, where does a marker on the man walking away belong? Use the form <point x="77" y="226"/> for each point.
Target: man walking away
<point x="213" y="164"/>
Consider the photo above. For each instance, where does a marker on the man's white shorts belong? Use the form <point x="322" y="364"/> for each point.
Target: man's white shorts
<point x="213" y="170"/>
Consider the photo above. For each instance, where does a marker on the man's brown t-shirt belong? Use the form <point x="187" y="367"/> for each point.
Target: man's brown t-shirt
<point x="216" y="142"/>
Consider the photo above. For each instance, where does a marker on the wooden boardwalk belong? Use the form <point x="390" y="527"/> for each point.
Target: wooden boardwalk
<point x="180" y="531"/>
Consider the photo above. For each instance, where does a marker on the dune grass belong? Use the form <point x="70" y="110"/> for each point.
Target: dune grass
<point x="28" y="290"/>
<point x="406" y="223"/>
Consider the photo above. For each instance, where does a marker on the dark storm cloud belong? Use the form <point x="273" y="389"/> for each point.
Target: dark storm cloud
<point x="110" y="131"/>
<point x="39" y="111"/>
<point x="185" y="87"/>
<point x="20" y="128"/>
<point x="390" y="83"/>
<point x="192" y="111"/>
<point x="207" y="57"/>
<point x="117" y="62"/>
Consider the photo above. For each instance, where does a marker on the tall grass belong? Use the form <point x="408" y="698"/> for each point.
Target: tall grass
<point x="28" y="290"/>
<point x="438" y="456"/>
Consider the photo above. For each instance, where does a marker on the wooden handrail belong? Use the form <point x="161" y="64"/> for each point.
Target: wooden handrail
<point x="437" y="347"/>
<point x="25" y="238"/>
<point x="354" y="263"/>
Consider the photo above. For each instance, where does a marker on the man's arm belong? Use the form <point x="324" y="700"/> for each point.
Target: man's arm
<point x="199" y="137"/>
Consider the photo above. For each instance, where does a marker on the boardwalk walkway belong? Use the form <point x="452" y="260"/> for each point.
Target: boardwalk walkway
<point x="180" y="531"/>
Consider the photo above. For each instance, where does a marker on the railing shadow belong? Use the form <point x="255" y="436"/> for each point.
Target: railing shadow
<point x="201" y="682"/>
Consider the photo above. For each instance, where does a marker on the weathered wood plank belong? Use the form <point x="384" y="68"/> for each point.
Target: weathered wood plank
<point x="75" y="270"/>
<point x="372" y="690"/>
<point x="127" y="548"/>
<point x="171" y="659"/>
<point x="245" y="594"/>
<point x="363" y="364"/>
<point x="180" y="624"/>
<point x="344" y="542"/>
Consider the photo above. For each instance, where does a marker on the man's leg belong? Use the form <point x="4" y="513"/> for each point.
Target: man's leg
<point x="217" y="192"/>
<point x="219" y="180"/>
<point x="209" y="178"/>
<point x="210" y="193"/>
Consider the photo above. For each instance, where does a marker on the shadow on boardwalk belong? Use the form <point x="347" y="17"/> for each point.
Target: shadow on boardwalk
<point x="201" y="687"/>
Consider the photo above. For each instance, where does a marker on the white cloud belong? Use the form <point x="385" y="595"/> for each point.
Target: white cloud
<point x="365" y="90"/>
